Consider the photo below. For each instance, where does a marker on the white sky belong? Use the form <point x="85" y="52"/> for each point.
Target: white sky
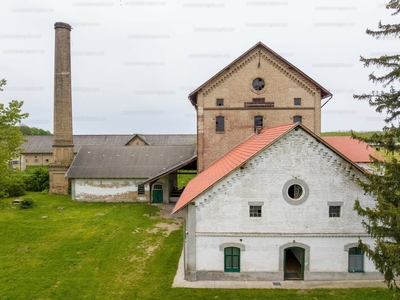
<point x="135" y="62"/>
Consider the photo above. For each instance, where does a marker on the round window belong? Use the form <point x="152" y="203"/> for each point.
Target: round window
<point x="295" y="191"/>
<point x="258" y="84"/>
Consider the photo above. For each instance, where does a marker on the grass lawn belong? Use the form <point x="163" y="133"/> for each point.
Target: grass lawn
<point x="107" y="251"/>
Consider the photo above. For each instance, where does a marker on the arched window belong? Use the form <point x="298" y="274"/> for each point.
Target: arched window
<point x="297" y="119"/>
<point x="356" y="260"/>
<point x="232" y="259"/>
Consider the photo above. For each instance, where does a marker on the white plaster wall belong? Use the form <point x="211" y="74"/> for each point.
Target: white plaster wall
<point x="109" y="190"/>
<point x="222" y="213"/>
<point x="263" y="253"/>
<point x="225" y="207"/>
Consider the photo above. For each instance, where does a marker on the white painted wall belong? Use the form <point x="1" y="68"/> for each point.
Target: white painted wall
<point x="222" y="213"/>
<point x="107" y="190"/>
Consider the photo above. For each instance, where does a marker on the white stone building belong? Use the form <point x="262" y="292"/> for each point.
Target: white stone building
<point x="279" y="206"/>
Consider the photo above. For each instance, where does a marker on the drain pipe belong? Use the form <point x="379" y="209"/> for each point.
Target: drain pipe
<point x="184" y="243"/>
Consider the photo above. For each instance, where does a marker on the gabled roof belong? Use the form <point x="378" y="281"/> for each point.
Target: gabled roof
<point x="44" y="143"/>
<point x="324" y="92"/>
<point x="238" y="156"/>
<point x="127" y="162"/>
<point x="357" y="151"/>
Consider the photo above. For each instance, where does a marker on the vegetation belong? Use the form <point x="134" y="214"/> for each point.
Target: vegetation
<point x="61" y="249"/>
<point x="362" y="134"/>
<point x="383" y="221"/>
<point x="26" y="130"/>
<point x="36" y="179"/>
<point x="11" y="141"/>
<point x="184" y="177"/>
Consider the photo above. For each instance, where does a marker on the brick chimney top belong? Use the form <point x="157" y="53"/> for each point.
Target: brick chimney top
<point x="62" y="25"/>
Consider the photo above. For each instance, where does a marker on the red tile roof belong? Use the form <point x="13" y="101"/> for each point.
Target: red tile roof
<point x="355" y="150"/>
<point x="229" y="162"/>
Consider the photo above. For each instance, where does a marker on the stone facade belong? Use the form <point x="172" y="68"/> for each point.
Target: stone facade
<point x="63" y="145"/>
<point x="219" y="217"/>
<point x="242" y="102"/>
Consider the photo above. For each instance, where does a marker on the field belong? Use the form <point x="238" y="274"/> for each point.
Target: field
<point x="61" y="249"/>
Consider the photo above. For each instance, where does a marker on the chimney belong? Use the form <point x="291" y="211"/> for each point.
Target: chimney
<point x="63" y="148"/>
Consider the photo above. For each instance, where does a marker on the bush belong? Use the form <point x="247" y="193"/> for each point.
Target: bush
<point x="12" y="183"/>
<point x="26" y="203"/>
<point x="37" y="179"/>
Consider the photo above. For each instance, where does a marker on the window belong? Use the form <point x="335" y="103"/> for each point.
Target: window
<point x="140" y="189"/>
<point x="297" y="101"/>
<point x="255" y="211"/>
<point x="297" y="119"/>
<point x="356" y="260"/>
<point x="258" y="84"/>
<point x="334" y="211"/>
<point x="220" y="102"/>
<point x="258" y="122"/>
<point x="219" y="123"/>
<point x="295" y="191"/>
<point x="232" y="259"/>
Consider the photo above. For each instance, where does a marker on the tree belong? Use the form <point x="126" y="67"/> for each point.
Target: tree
<point x="26" y="130"/>
<point x="383" y="221"/>
<point x="11" y="137"/>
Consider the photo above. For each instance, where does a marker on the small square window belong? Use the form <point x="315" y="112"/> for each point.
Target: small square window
<point x="334" y="211"/>
<point x="220" y="102"/>
<point x="297" y="119"/>
<point x="255" y="211"/>
<point x="297" y="101"/>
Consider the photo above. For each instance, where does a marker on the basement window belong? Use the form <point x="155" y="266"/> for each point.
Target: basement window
<point x="140" y="189"/>
<point x="297" y="101"/>
<point x="220" y="102"/>
<point x="334" y="211"/>
<point x="220" y="124"/>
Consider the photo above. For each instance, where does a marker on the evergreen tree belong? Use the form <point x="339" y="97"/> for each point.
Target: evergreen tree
<point x="382" y="222"/>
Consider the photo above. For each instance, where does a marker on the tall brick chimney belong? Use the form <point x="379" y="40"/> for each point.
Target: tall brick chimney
<point x="63" y="145"/>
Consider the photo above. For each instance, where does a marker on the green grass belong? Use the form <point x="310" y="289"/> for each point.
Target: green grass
<point x="107" y="251"/>
<point x="183" y="179"/>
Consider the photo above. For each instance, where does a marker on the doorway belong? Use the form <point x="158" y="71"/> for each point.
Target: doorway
<point x="157" y="193"/>
<point x="294" y="263"/>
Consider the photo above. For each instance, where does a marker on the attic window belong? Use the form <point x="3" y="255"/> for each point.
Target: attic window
<point x="298" y="119"/>
<point x="220" y="102"/>
<point x="297" y="101"/>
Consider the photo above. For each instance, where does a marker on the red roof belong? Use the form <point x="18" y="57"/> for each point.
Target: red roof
<point x="229" y="162"/>
<point x="357" y="151"/>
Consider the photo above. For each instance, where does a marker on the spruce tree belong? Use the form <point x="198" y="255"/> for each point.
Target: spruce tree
<point x="382" y="222"/>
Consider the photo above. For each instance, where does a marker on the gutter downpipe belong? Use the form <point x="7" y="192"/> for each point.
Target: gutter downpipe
<point x="184" y="243"/>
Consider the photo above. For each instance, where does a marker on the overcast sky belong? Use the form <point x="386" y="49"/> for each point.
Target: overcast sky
<point x="135" y="62"/>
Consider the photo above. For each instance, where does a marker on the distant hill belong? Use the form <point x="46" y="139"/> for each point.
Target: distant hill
<point x="363" y="134"/>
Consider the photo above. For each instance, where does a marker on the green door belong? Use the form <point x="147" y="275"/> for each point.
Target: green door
<point x="157" y="193"/>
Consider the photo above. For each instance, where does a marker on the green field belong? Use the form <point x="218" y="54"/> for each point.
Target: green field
<point x="108" y="251"/>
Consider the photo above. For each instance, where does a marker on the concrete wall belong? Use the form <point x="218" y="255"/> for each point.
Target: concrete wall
<point x="282" y="85"/>
<point x="222" y="213"/>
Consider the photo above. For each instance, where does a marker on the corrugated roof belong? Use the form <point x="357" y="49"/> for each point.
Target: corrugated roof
<point x="324" y="92"/>
<point x="241" y="154"/>
<point x="43" y="143"/>
<point x="357" y="151"/>
<point x="127" y="162"/>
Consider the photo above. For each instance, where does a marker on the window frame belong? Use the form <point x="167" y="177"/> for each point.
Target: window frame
<point x="219" y="102"/>
<point x="297" y="116"/>
<point x="258" y="118"/>
<point x="219" y="127"/>
<point x="297" y="100"/>
<point x="141" y="187"/>
<point x="335" y="211"/>
<point x="255" y="211"/>
<point x="231" y="256"/>
<point x="352" y="257"/>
